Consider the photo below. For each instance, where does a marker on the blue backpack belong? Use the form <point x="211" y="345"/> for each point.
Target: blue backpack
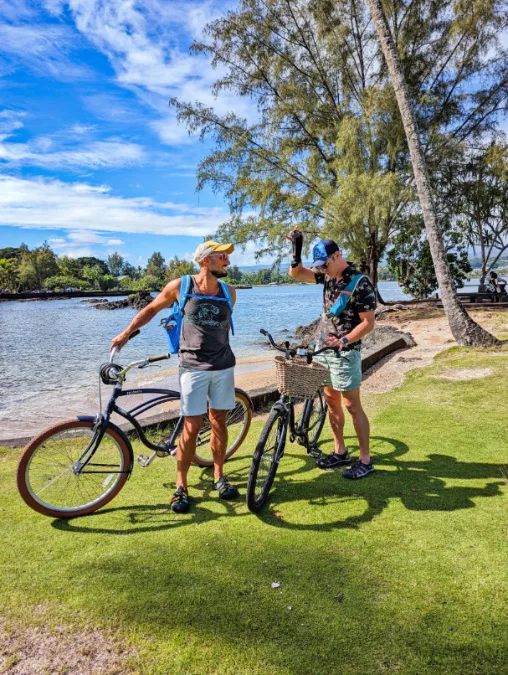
<point x="345" y="296"/>
<point x="173" y="324"/>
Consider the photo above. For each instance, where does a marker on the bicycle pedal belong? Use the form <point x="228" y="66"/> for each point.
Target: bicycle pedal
<point x="144" y="460"/>
<point x="314" y="452"/>
<point x="292" y="438"/>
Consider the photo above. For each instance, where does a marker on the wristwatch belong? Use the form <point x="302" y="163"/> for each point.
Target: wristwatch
<point x="344" y="341"/>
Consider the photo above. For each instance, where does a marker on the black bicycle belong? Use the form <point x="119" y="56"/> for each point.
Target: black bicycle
<point x="305" y="429"/>
<point x="75" y="467"/>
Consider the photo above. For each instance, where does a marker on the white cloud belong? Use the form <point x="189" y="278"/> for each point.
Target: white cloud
<point x="115" y="242"/>
<point x="43" y="48"/>
<point x="44" y="152"/>
<point x="86" y="209"/>
<point x="147" y="46"/>
<point x="9" y="122"/>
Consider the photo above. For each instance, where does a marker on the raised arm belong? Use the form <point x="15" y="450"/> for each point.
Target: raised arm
<point x="301" y="273"/>
<point x="166" y="298"/>
<point x="297" y="270"/>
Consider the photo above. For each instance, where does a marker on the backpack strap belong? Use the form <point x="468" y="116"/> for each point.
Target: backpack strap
<point x="184" y="290"/>
<point x="344" y="298"/>
<point x="351" y="287"/>
<point x="227" y="294"/>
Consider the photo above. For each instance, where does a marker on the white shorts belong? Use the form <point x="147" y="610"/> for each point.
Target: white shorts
<point x="200" y="387"/>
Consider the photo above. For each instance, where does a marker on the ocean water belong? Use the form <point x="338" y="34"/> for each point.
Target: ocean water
<point x="51" y="351"/>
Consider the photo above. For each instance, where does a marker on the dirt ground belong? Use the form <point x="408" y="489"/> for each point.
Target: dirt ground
<point x="39" y="651"/>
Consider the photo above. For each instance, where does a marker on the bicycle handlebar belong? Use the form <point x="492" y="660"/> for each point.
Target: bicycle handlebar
<point x="140" y="364"/>
<point x="160" y="357"/>
<point x="293" y="352"/>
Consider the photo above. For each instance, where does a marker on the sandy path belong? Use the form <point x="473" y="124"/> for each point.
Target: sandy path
<point x="432" y="336"/>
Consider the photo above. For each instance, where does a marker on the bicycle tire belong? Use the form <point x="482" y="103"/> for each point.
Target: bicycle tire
<point x="318" y="412"/>
<point x="273" y="435"/>
<point x="61" y="440"/>
<point x="241" y="416"/>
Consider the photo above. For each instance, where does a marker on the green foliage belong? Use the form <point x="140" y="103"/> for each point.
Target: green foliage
<point x="68" y="266"/>
<point x="126" y="283"/>
<point x="61" y="282"/>
<point x="410" y="260"/>
<point x="148" y="282"/>
<point x="130" y="271"/>
<point x="478" y="197"/>
<point x="93" y="274"/>
<point x="115" y="264"/>
<point x="10" y="252"/>
<point x="92" y="261"/>
<point x="36" y="266"/>
<point x="9" y="274"/>
<point x="234" y="274"/>
<point x="177" y="268"/>
<point x="107" y="282"/>
<point x="327" y="150"/>
<point x="155" y="267"/>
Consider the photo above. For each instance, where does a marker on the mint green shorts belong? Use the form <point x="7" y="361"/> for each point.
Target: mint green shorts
<point x="345" y="369"/>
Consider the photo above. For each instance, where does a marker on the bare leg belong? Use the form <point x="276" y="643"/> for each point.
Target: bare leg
<point x="336" y="416"/>
<point x="187" y="448"/>
<point x="360" y="421"/>
<point x="218" y="440"/>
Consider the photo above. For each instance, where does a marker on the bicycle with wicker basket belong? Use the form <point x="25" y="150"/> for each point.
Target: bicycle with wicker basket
<point x="297" y="378"/>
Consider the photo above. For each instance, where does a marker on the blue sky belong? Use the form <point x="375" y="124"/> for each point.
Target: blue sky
<point x="91" y="157"/>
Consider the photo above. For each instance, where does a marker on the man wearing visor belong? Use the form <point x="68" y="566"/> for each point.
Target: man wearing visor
<point x="206" y="363"/>
<point x="344" y="332"/>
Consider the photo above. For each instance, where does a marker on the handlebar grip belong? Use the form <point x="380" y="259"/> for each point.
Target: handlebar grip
<point x="133" y="335"/>
<point x="263" y="331"/>
<point x="160" y="357"/>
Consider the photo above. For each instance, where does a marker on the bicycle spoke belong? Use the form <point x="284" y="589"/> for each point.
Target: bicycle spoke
<point x="52" y="480"/>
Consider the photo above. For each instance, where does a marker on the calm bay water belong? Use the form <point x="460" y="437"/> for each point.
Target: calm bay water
<point x="51" y="351"/>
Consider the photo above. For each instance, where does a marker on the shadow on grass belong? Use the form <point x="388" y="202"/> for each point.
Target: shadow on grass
<point x="419" y="485"/>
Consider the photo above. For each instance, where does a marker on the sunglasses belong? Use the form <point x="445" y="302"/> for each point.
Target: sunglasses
<point x="324" y="266"/>
<point x="221" y="256"/>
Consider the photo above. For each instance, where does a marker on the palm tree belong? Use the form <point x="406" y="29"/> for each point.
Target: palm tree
<point x="464" y="329"/>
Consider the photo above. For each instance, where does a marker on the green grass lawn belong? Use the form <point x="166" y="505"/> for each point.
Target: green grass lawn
<point x="405" y="571"/>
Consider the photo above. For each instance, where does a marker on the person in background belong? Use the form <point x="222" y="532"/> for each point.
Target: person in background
<point x="497" y="285"/>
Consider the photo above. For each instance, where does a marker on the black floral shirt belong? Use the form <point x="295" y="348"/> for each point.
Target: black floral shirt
<point x="363" y="300"/>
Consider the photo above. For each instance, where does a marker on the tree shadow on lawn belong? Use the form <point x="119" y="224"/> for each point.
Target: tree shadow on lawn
<point x="419" y="485"/>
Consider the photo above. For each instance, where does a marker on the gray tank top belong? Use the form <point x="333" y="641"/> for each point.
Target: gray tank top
<point x="204" y="340"/>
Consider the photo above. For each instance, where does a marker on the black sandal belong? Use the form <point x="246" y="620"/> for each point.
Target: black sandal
<point x="180" y="501"/>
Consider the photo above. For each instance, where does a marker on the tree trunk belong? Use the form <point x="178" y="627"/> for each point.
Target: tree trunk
<point x="464" y="329"/>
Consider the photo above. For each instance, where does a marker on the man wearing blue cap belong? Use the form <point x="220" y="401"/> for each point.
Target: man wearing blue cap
<point x="343" y="328"/>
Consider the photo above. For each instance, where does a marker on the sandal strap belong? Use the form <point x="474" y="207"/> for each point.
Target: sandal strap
<point x="181" y="495"/>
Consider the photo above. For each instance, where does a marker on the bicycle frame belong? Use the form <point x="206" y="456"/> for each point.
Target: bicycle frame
<point x="299" y="430"/>
<point x="103" y="420"/>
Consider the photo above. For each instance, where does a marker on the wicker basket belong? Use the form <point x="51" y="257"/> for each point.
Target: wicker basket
<point x="296" y="377"/>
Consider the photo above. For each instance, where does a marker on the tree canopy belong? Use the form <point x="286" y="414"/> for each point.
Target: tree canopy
<point x="326" y="149"/>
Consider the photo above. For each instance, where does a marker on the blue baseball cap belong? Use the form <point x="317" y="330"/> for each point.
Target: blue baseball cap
<point x="323" y="250"/>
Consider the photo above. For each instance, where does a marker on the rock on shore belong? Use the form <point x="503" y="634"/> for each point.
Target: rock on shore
<point x="137" y="301"/>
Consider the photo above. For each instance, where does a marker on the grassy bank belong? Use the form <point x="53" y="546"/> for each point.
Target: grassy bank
<point x="402" y="572"/>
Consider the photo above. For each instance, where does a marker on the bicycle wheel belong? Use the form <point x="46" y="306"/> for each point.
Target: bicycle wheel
<point x="266" y="459"/>
<point x="238" y="423"/>
<point x="46" y="480"/>
<point x="315" y="415"/>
